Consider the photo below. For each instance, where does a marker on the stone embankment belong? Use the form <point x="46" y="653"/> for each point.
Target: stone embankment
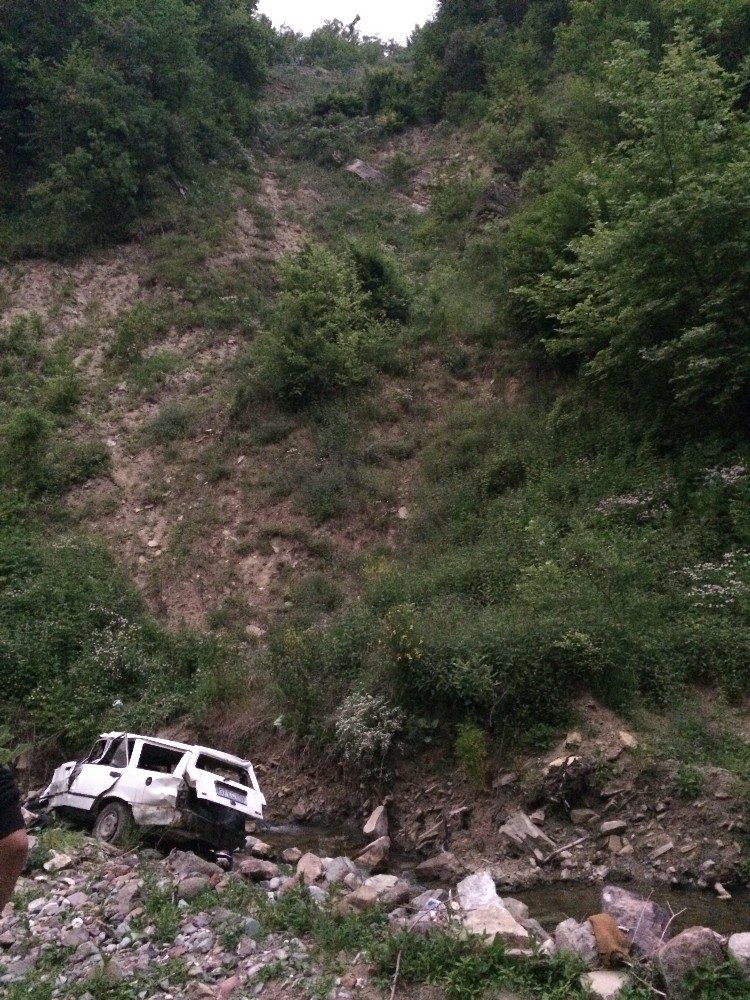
<point x="181" y="928"/>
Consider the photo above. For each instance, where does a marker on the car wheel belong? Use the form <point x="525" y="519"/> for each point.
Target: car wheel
<point x="114" y="824"/>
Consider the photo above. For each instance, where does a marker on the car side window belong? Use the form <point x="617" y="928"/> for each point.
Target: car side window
<point x="156" y="758"/>
<point x="96" y="752"/>
<point x="119" y="753"/>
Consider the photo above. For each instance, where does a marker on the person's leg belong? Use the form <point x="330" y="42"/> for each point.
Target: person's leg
<point x="13" y="851"/>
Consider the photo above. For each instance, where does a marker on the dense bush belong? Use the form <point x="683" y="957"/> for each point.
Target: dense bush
<point x="572" y="572"/>
<point x="327" y="331"/>
<point x="109" y="105"/>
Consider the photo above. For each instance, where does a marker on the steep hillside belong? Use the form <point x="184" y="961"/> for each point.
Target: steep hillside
<point x="417" y="452"/>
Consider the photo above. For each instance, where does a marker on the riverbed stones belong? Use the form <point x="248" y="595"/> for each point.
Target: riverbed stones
<point x="291" y="855"/>
<point x="337" y="870"/>
<point x="739" y="949"/>
<point x="643" y="922"/>
<point x="258" y="870"/>
<point x="697" y="946"/>
<point x="578" y="939"/>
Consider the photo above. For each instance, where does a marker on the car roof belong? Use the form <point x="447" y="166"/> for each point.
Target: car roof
<point x="226" y="758"/>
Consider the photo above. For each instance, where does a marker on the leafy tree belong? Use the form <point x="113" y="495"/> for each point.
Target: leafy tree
<point x="106" y="105"/>
<point x="654" y="298"/>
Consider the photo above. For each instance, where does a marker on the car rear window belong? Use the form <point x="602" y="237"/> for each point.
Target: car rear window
<point x="230" y="772"/>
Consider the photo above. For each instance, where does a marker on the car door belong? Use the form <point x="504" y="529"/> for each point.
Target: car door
<point x="154" y="780"/>
<point x="99" y="773"/>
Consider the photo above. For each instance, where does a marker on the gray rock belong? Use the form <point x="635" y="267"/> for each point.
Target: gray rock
<point x="251" y="928"/>
<point x="521" y="831"/>
<point x="536" y="930"/>
<point x="443" y="867"/>
<point x="494" y="921"/>
<point x="613" y="826"/>
<point x="477" y="890"/>
<point x="583" y="817"/>
<point x="739" y="949"/>
<point x="516" y="908"/>
<point x="192" y="886"/>
<point x="336" y="869"/>
<point x="579" y="939"/>
<point x="187" y="863"/>
<point x="318" y="894"/>
<point x="695" y="947"/>
<point x="291" y="855"/>
<point x="365" y="172"/>
<point x="375" y="854"/>
<point x="643" y="922"/>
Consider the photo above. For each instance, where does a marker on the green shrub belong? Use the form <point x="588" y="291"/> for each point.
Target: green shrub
<point x="322" y="341"/>
<point x="472" y="754"/>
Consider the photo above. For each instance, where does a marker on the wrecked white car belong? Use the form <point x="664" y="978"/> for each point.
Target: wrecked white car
<point x="190" y="793"/>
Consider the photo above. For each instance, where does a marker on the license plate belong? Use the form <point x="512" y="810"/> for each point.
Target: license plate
<point x="231" y="794"/>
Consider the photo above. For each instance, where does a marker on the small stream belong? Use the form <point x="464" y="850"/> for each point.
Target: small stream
<point x="549" y="904"/>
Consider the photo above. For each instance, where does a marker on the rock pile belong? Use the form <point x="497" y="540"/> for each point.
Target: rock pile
<point x="168" y="924"/>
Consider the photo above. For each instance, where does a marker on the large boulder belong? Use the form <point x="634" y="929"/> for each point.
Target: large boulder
<point x="643" y="922"/>
<point x="697" y="946"/>
<point x="578" y="939"/>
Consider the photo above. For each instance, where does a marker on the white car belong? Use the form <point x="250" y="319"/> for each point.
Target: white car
<point x="190" y="792"/>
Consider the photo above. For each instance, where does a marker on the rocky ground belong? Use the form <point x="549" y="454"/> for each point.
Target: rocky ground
<point x="90" y="922"/>
<point x="605" y="806"/>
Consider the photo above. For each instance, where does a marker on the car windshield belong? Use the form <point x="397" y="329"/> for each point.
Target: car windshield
<point x="230" y="772"/>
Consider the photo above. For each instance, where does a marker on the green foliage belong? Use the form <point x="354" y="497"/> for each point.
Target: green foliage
<point x="542" y="566"/>
<point x="335" y="47"/>
<point x="472" y="754"/>
<point x="466" y="969"/>
<point x="725" y="981"/>
<point x="107" y="105"/>
<point x="690" y="782"/>
<point x="653" y="298"/>
<point x="323" y="341"/>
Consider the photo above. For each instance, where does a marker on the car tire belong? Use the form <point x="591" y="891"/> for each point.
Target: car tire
<point x="114" y="824"/>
